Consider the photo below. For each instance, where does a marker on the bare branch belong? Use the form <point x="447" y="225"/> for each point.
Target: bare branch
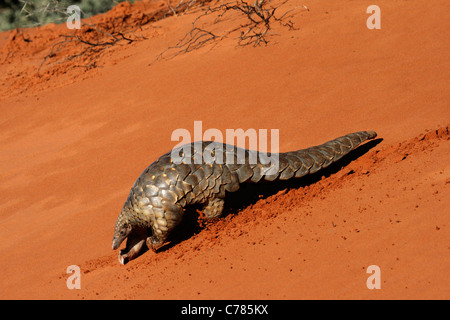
<point x="258" y="16"/>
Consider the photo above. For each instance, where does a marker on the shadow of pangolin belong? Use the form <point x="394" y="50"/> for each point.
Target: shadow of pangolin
<point x="172" y="184"/>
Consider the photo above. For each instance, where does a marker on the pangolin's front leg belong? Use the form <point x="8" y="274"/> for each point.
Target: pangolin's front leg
<point x="167" y="219"/>
<point x="135" y="242"/>
<point x="163" y="227"/>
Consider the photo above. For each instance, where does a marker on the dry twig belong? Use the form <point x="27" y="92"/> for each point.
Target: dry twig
<point x="255" y="30"/>
<point x="92" y="46"/>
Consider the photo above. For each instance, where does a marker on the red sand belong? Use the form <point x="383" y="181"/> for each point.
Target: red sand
<point x="73" y="141"/>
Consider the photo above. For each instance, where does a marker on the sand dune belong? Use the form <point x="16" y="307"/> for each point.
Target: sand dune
<point x="74" y="138"/>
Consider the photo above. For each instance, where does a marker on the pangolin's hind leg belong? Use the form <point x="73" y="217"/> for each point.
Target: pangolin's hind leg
<point x="214" y="208"/>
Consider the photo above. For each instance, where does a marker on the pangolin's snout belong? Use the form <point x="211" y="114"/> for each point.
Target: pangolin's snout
<point x="115" y="244"/>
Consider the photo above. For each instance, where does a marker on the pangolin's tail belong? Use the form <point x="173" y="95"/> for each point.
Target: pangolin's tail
<point x="302" y="162"/>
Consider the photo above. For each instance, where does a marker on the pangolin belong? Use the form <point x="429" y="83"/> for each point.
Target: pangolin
<point x="161" y="194"/>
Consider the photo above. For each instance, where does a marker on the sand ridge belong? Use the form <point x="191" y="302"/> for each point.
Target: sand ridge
<point x="73" y="140"/>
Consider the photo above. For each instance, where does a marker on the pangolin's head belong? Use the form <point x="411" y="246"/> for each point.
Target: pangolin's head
<point x="122" y="229"/>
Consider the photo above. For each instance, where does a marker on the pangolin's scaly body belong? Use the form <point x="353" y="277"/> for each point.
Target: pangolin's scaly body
<point x="161" y="194"/>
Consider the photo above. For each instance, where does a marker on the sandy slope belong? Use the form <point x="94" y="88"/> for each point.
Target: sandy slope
<point x="73" y="141"/>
